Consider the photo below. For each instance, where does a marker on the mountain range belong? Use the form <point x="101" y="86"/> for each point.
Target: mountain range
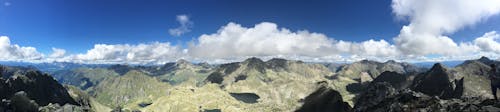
<point x="251" y="85"/>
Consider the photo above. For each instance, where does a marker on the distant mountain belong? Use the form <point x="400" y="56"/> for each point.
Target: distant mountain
<point x="84" y="78"/>
<point x="52" y="66"/>
<point x="129" y="90"/>
<point x="445" y="63"/>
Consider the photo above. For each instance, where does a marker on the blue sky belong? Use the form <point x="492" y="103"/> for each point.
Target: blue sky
<point x="77" y="25"/>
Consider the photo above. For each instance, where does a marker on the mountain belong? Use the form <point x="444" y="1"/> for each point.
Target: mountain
<point x="278" y="82"/>
<point x="351" y="79"/>
<point x="25" y="89"/>
<point x="52" y="66"/>
<point x="84" y="78"/>
<point x="438" y="82"/>
<point x="373" y="68"/>
<point x="129" y="90"/>
<point x="475" y="76"/>
<point x="272" y="85"/>
<point x="183" y="71"/>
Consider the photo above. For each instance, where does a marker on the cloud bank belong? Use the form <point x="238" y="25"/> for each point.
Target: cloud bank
<point x="266" y="39"/>
<point x="431" y="20"/>
<point x="13" y="52"/>
<point x="155" y="52"/>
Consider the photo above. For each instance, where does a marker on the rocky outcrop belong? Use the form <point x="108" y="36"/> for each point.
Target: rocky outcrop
<point x="376" y="93"/>
<point x="437" y="82"/>
<point x="475" y="74"/>
<point x="27" y="90"/>
<point x="407" y="100"/>
<point x="435" y="90"/>
<point x="39" y="87"/>
<point x="325" y="99"/>
<point x="395" y="79"/>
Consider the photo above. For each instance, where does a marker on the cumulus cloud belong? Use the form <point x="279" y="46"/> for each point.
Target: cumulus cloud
<point x="57" y="53"/>
<point x="10" y="51"/>
<point x="489" y="42"/>
<point x="185" y="27"/>
<point x="431" y="20"/>
<point x="140" y="53"/>
<point x="266" y="39"/>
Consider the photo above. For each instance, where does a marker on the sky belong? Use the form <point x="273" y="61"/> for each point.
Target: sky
<point x="158" y="31"/>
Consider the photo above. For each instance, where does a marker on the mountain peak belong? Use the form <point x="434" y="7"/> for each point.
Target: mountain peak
<point x="484" y="58"/>
<point x="255" y="63"/>
<point x="390" y="61"/>
<point x="253" y="60"/>
<point x="277" y="63"/>
<point x="182" y="61"/>
<point x="438" y="66"/>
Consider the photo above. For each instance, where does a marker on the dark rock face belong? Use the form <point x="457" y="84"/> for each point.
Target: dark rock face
<point x="240" y="77"/>
<point x="223" y="70"/>
<point x="40" y="87"/>
<point x="436" y="82"/>
<point x="246" y="97"/>
<point x="29" y="87"/>
<point x="325" y="99"/>
<point x="277" y="64"/>
<point x="395" y="79"/>
<point x="215" y="77"/>
<point x="486" y="60"/>
<point x="255" y="63"/>
<point x="410" y="101"/>
<point x="120" y="69"/>
<point x="230" y="67"/>
<point x="376" y="93"/>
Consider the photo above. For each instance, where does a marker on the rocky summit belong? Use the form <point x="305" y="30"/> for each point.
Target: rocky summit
<point x="27" y="90"/>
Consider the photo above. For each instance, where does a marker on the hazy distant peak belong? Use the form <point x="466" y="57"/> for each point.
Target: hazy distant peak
<point x="253" y="60"/>
<point x="390" y="61"/>
<point x="182" y="61"/>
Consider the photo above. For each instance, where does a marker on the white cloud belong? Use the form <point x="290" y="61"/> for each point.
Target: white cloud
<point x="371" y="47"/>
<point x="57" y="53"/>
<point x="430" y="20"/>
<point x="266" y="39"/>
<point x="141" y="53"/>
<point x="489" y="42"/>
<point x="185" y="27"/>
<point x="10" y="51"/>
